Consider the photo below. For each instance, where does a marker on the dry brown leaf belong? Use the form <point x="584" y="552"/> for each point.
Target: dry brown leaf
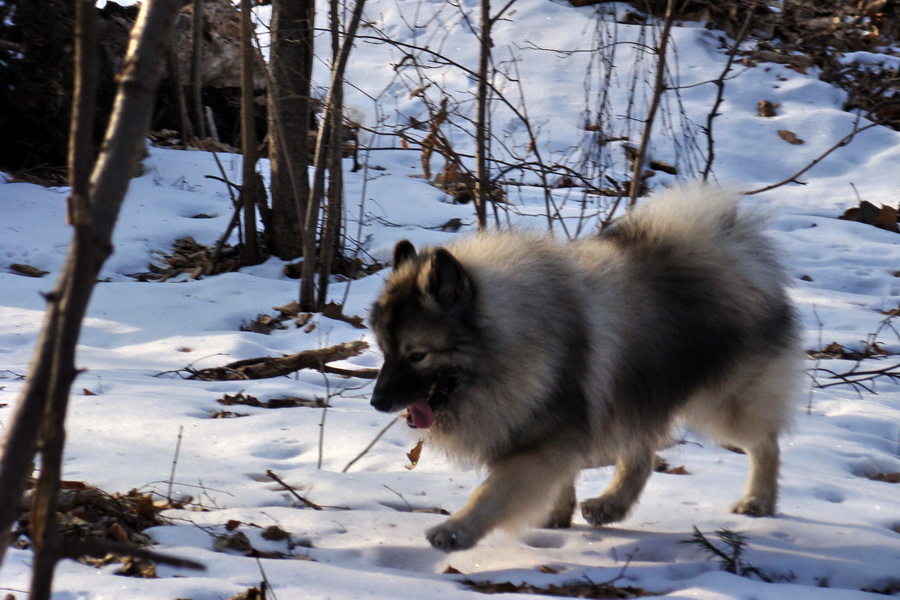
<point x="414" y="454"/>
<point x="232" y="524"/>
<point x="274" y="533"/>
<point x="548" y="570"/>
<point x="137" y="567"/>
<point x="27" y="270"/>
<point x="249" y="594"/>
<point x="291" y="309"/>
<point x="790" y="137"/>
<point x="335" y="311"/>
<point x="118" y="533"/>
<point x="767" y="108"/>
<point x="72" y="485"/>
<point x="887" y="218"/>
<point x="680" y="470"/>
<point x="226" y="414"/>
<point x="238" y="542"/>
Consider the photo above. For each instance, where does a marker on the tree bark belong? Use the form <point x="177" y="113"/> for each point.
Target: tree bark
<point x="41" y="408"/>
<point x="196" y="66"/>
<point x="331" y="222"/>
<point x="186" y="129"/>
<point x="290" y="116"/>
<point x="308" y="300"/>
<point x="482" y="185"/>
<point x="249" y="191"/>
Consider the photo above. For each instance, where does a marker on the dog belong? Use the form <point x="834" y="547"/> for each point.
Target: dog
<point x="537" y="358"/>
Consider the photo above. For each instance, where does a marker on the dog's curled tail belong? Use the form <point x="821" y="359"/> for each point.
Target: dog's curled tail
<point x="696" y="211"/>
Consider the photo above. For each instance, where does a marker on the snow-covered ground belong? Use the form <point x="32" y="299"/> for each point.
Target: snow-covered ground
<point x="836" y="534"/>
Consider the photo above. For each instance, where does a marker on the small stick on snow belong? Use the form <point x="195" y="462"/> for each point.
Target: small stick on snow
<point x="293" y="492"/>
<point x="174" y="463"/>
<point x="372" y="443"/>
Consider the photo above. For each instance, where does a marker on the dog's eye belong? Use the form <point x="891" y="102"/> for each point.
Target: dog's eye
<point x="416" y="357"/>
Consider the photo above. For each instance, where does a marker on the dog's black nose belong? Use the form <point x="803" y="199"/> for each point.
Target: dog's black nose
<point x="381" y="401"/>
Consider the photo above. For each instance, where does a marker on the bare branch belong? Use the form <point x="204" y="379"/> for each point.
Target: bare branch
<point x="371" y="444"/>
<point x="659" y="88"/>
<point x="45" y="397"/>
<point x="309" y="268"/>
<point x="793" y="178"/>
<point x="76" y="548"/>
<point x="720" y="92"/>
<point x="293" y="492"/>
<point x="269" y="366"/>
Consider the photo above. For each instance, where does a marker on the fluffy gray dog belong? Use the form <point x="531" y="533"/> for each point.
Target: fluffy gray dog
<point x="538" y="359"/>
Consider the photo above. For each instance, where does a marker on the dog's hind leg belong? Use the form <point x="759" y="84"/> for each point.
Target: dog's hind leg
<point x="751" y="417"/>
<point x="632" y="472"/>
<point x="761" y="491"/>
<point x="561" y="515"/>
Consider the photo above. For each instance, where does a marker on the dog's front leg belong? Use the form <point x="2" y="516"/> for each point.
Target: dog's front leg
<point x="519" y="491"/>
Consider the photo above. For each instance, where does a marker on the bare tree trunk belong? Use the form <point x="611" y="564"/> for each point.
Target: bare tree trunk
<point x="41" y="410"/>
<point x="51" y="434"/>
<point x="249" y="190"/>
<point x="81" y="130"/>
<point x="482" y="185"/>
<point x="309" y="269"/>
<point x="331" y="223"/>
<point x="290" y="116"/>
<point x="187" y="130"/>
<point x="196" y="66"/>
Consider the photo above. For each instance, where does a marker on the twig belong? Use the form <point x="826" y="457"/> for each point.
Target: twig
<point x="720" y="92"/>
<point x="293" y="492"/>
<point x="855" y="378"/>
<point x="358" y="373"/>
<point x="264" y="586"/>
<point x="322" y="422"/>
<point x="76" y="548"/>
<point x="316" y="188"/>
<point x="793" y="178"/>
<point x="269" y="366"/>
<point x="372" y="443"/>
<point x="175" y="462"/>
<point x="628" y="559"/>
<point x="815" y="382"/>
<point x="409" y="507"/>
<point x="659" y="86"/>
<point x="235" y="218"/>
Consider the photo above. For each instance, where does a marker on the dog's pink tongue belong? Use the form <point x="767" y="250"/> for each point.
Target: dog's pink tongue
<point x="422" y="415"/>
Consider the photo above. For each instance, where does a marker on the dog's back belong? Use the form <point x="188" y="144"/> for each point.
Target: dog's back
<point x="692" y="295"/>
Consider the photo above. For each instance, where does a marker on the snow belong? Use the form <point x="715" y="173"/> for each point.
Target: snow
<point x="835" y="534"/>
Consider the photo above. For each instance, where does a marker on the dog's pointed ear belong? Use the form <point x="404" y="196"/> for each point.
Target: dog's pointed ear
<point x="404" y="251"/>
<point x="448" y="282"/>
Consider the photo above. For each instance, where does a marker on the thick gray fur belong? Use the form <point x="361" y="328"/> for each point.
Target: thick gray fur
<point x="552" y="357"/>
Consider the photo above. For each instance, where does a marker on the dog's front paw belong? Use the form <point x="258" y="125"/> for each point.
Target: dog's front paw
<point x="558" y="521"/>
<point x="451" y="536"/>
<point x="603" y="511"/>
<point x="754" y="506"/>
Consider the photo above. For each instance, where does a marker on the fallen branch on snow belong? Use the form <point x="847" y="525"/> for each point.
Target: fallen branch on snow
<point x="275" y="366"/>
